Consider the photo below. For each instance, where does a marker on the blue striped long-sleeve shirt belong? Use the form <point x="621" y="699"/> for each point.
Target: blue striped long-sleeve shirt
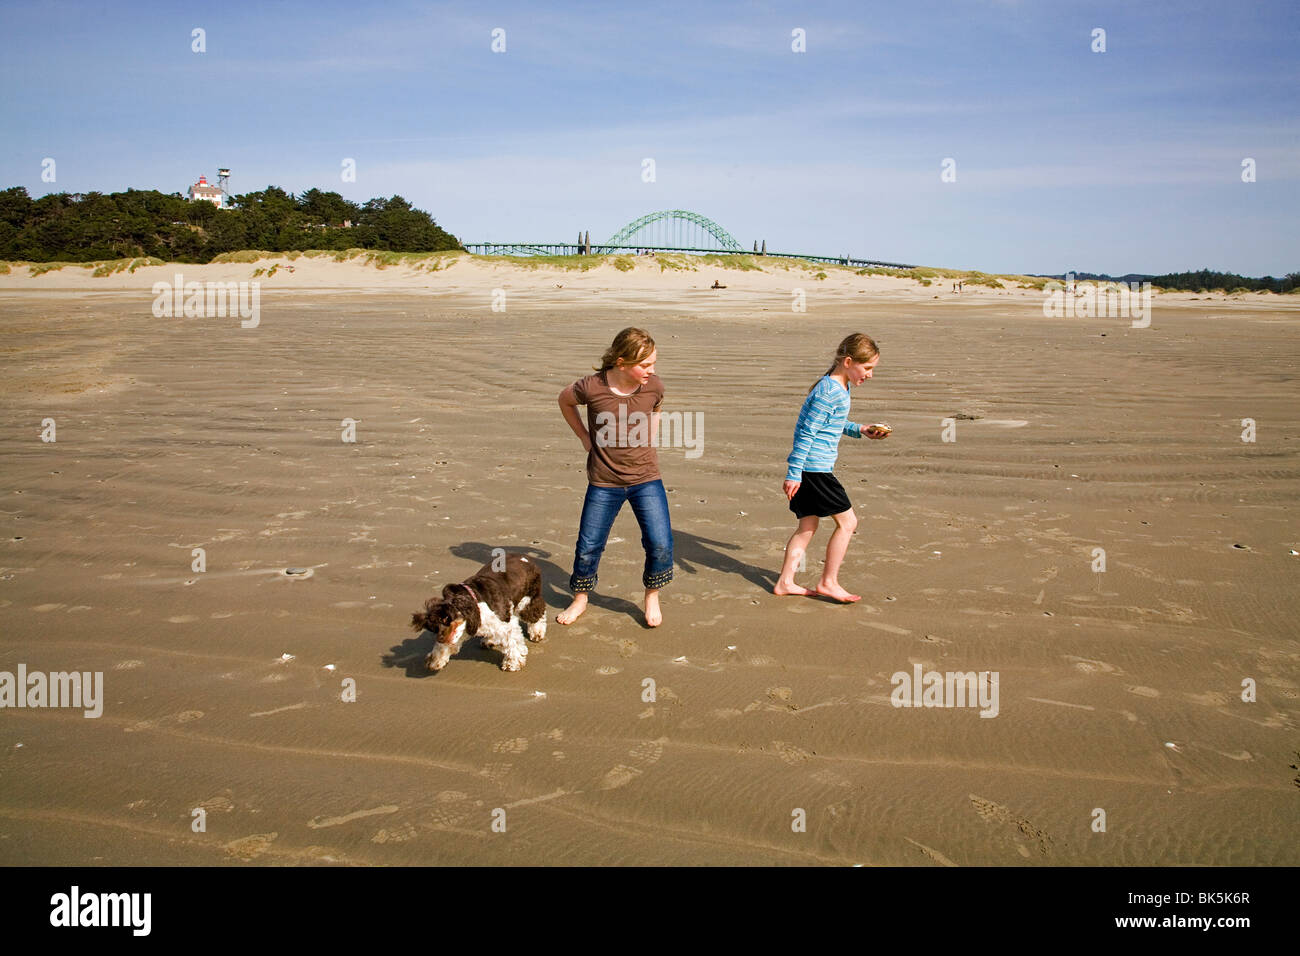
<point x="822" y="420"/>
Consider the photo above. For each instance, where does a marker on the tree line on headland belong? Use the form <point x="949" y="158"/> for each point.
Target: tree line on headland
<point x="1205" y="281"/>
<point x="84" y="227"/>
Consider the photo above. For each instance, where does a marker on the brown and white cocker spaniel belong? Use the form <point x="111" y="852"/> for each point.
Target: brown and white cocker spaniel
<point x="492" y="605"/>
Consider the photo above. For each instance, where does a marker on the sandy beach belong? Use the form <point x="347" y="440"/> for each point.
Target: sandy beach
<point x="748" y="729"/>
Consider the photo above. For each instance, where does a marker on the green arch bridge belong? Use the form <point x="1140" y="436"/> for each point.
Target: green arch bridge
<point x="669" y="230"/>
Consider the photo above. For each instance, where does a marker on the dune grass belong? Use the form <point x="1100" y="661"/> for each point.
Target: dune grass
<point x="675" y="261"/>
<point x="244" y="255"/>
<point x="108" y="267"/>
<point x="429" y="261"/>
<point x="739" y="262"/>
<point x="40" y="268"/>
<point x="564" y="263"/>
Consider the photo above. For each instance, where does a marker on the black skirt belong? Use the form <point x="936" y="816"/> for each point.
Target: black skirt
<point x="820" y="493"/>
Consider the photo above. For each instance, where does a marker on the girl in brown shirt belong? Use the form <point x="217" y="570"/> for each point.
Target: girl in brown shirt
<point x="620" y="436"/>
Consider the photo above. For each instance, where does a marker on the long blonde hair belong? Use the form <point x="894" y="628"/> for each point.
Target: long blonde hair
<point x="631" y="345"/>
<point x="859" y="346"/>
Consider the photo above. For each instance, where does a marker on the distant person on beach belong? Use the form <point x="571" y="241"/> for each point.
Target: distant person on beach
<point x="620" y="437"/>
<point x="811" y="487"/>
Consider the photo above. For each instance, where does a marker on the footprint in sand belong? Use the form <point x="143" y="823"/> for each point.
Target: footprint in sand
<point x="218" y="804"/>
<point x="515" y="745"/>
<point x="831" y="779"/>
<point x="1181" y="613"/>
<point x="607" y="670"/>
<point x="790" y="753"/>
<point x="450" y="816"/>
<point x="249" y="847"/>
<point x="783" y="696"/>
<point x="643" y="756"/>
<point x="496" y="770"/>
<point x="992" y="812"/>
<point x="127" y="665"/>
<point x="1090" y="666"/>
<point x="931" y="853"/>
<point x="394" y="835"/>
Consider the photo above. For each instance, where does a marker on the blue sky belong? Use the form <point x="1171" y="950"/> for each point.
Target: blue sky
<point x="1127" y="160"/>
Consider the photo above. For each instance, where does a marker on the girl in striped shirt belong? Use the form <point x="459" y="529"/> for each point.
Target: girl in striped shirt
<point x="811" y="487"/>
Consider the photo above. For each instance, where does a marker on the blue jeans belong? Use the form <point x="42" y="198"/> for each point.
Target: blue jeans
<point x="600" y="508"/>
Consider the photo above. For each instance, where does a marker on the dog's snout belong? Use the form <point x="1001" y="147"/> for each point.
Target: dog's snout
<point x="447" y="635"/>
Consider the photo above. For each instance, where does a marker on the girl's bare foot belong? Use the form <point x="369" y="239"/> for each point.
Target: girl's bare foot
<point x="783" y="587"/>
<point x="837" y="593"/>
<point x="574" y="610"/>
<point x="653" y="616"/>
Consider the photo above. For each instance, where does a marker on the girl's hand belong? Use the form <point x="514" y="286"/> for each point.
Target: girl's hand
<point x="790" y="488"/>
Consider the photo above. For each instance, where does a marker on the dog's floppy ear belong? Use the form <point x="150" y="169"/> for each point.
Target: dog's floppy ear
<point x="424" y="619"/>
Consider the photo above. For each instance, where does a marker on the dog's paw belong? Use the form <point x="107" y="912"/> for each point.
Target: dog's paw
<point x="511" y="663"/>
<point x="537" y="632"/>
<point x="433" y="664"/>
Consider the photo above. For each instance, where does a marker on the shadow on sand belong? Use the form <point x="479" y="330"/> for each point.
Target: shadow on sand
<point x="691" y="552"/>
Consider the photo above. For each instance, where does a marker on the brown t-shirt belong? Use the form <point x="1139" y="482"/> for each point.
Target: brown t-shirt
<point x="622" y="452"/>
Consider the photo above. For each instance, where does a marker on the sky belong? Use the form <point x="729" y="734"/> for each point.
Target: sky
<point x="1063" y="157"/>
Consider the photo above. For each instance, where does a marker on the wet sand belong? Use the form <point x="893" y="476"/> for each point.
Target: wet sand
<point x="1118" y="690"/>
